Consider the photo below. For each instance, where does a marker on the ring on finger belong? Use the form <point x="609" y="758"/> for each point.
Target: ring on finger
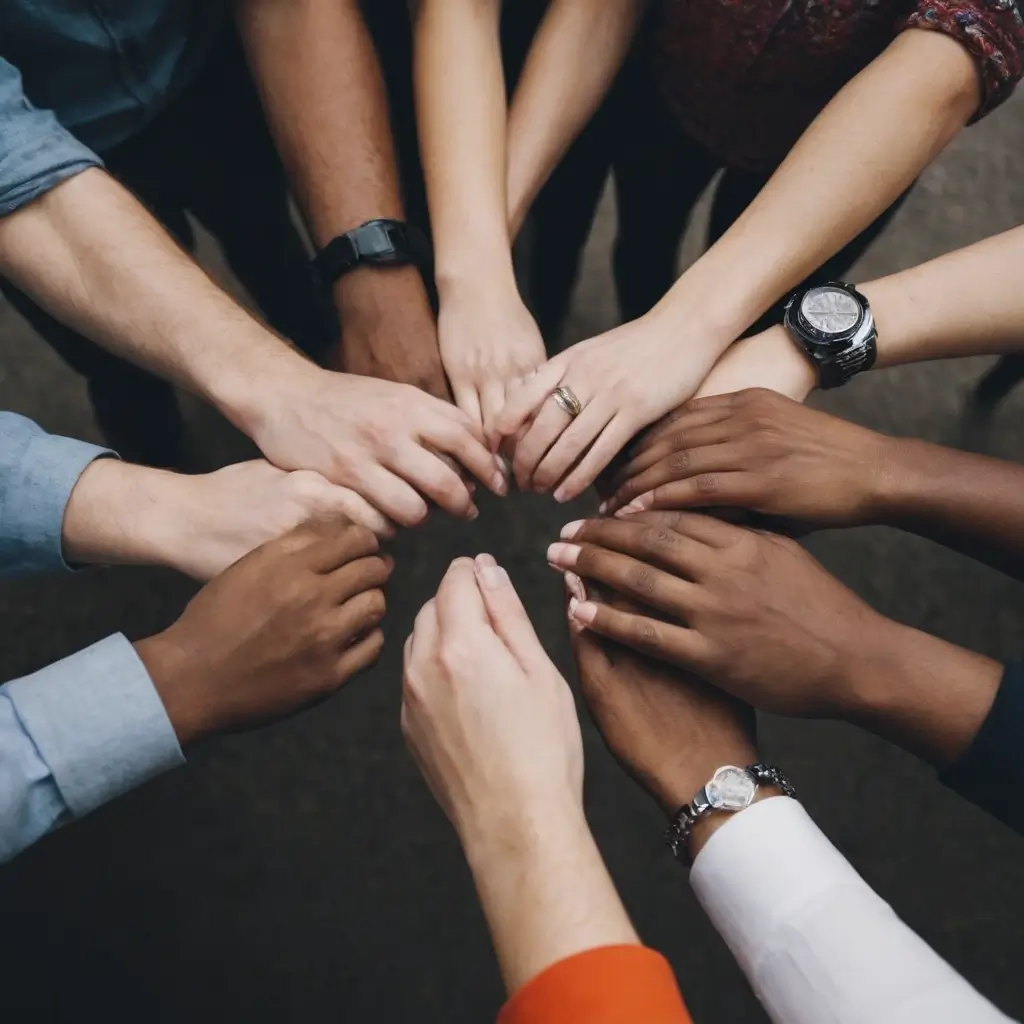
<point x="565" y="398"/>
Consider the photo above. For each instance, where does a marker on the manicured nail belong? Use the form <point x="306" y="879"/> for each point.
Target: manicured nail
<point x="499" y="484"/>
<point x="563" y="555"/>
<point x="642" y="503"/>
<point x="575" y="587"/>
<point x="492" y="577"/>
<point x="574" y="624"/>
<point x="571" y="529"/>
<point x="483" y="560"/>
<point x="585" y="612"/>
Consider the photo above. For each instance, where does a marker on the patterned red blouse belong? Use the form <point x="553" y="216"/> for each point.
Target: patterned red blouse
<point x="746" y="77"/>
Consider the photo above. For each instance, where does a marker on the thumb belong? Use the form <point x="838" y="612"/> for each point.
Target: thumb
<point x="508" y="616"/>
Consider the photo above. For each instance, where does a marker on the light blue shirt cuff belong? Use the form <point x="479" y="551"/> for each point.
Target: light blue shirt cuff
<point x="33" y="501"/>
<point x="97" y="723"/>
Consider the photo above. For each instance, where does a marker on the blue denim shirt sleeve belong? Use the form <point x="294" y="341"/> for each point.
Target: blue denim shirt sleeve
<point x="37" y="474"/>
<point x="77" y="734"/>
<point x="36" y="153"/>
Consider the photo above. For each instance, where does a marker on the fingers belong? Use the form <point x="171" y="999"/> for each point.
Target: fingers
<point x="709" y="530"/>
<point x="656" y="543"/>
<point x="492" y="401"/>
<point x="543" y="432"/>
<point x="467" y="399"/>
<point x="334" y="543"/>
<point x="675" y="644"/>
<point x="681" y="464"/>
<point x="358" y="576"/>
<point x="392" y="495"/>
<point x="460" y="608"/>
<point x="422" y="642"/>
<point x="360" y="511"/>
<point x="527" y="396"/>
<point x="576" y="438"/>
<point x="698" y="412"/>
<point x="455" y="439"/>
<point x="360" y="656"/>
<point x="605" y="448"/>
<point x="627" y="575"/>
<point x="706" y="490"/>
<point x="508" y="616"/>
<point x="359" y="616"/>
<point x="428" y="473"/>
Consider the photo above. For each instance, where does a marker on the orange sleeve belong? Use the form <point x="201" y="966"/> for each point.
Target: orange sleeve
<point x="607" y="985"/>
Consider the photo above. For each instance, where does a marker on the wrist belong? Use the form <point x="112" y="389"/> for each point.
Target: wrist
<point x="678" y="783"/>
<point x="370" y="299"/>
<point x="174" y="676"/>
<point x="482" y="277"/>
<point x="897" y="480"/>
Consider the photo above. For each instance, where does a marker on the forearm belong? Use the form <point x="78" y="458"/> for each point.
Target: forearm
<point x="91" y="255"/>
<point x="460" y="104"/>
<point x="925" y="695"/>
<point x="323" y="92"/>
<point x="546" y="893"/>
<point x="968" y="502"/>
<point x="579" y="48"/>
<point x="859" y="155"/>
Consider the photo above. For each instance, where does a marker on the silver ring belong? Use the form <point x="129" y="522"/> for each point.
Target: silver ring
<point x="567" y="401"/>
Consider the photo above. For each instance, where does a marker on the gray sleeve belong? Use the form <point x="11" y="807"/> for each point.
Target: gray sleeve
<point x="38" y="472"/>
<point x="36" y="152"/>
<point x="75" y="735"/>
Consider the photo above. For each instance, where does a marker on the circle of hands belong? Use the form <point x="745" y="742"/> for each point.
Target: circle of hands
<point x="683" y="608"/>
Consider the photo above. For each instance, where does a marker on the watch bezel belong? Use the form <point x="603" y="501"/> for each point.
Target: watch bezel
<point x="812" y="336"/>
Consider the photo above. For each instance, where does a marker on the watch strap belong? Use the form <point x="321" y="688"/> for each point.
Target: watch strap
<point x="380" y="242"/>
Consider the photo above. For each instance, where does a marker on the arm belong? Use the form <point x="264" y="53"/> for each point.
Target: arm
<point x="488" y="338"/>
<point x="814" y="941"/>
<point x="867" y="146"/>
<point x="322" y="88"/>
<point x="762" y="452"/>
<point x="85" y="730"/>
<point x="578" y="49"/>
<point x="493" y="728"/>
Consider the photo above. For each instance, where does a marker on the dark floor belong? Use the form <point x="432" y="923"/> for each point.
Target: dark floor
<point x="304" y="873"/>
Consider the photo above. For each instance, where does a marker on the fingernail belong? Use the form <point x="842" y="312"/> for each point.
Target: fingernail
<point x="571" y="529"/>
<point x="492" y="577"/>
<point x="574" y="624"/>
<point x="473" y="513"/>
<point x="562" y="555"/>
<point x="561" y="495"/>
<point x="483" y="560"/>
<point x="575" y="587"/>
<point x="603" y="507"/>
<point x="585" y="612"/>
<point x="642" y="503"/>
<point x="499" y="484"/>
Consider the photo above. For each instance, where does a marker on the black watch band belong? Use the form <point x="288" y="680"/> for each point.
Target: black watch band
<point x="378" y="243"/>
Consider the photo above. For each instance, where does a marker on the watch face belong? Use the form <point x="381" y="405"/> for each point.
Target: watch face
<point x="730" y="789"/>
<point x="830" y="310"/>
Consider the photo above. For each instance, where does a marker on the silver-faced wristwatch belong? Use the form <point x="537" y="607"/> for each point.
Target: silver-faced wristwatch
<point x="730" y="789"/>
<point x="833" y="326"/>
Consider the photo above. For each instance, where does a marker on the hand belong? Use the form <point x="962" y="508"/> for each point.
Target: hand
<point x="487" y="343"/>
<point x="488" y="718"/>
<point x="280" y="630"/>
<point x="759" y="451"/>
<point x="770" y="360"/>
<point x="624" y="379"/>
<point x="669" y="730"/>
<point x="385" y="441"/>
<point x="764" y="621"/>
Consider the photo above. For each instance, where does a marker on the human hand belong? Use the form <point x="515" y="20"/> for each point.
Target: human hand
<point x="386" y="441"/>
<point x="764" y="620"/>
<point x="668" y="729"/>
<point x="487" y="716"/>
<point x="283" y="628"/>
<point x="488" y="342"/>
<point x="624" y="379"/>
<point x="759" y="451"/>
<point x="201" y="524"/>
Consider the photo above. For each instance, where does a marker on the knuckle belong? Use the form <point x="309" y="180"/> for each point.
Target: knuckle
<point x="707" y="483"/>
<point x="641" y="579"/>
<point x="679" y="461"/>
<point x="647" y="631"/>
<point x="657" y="539"/>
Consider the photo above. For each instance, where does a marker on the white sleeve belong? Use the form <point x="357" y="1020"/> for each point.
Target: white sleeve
<point x="816" y="943"/>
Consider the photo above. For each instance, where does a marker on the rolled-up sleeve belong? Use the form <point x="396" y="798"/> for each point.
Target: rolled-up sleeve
<point x="36" y="152"/>
<point x="77" y="734"/>
<point x="992" y="32"/>
<point x="38" y="472"/>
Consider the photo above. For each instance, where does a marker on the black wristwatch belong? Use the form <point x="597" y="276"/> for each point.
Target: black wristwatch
<point x="377" y="243"/>
<point x="833" y="325"/>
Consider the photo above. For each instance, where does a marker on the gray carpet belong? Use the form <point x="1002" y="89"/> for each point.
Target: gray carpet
<point x="304" y="874"/>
